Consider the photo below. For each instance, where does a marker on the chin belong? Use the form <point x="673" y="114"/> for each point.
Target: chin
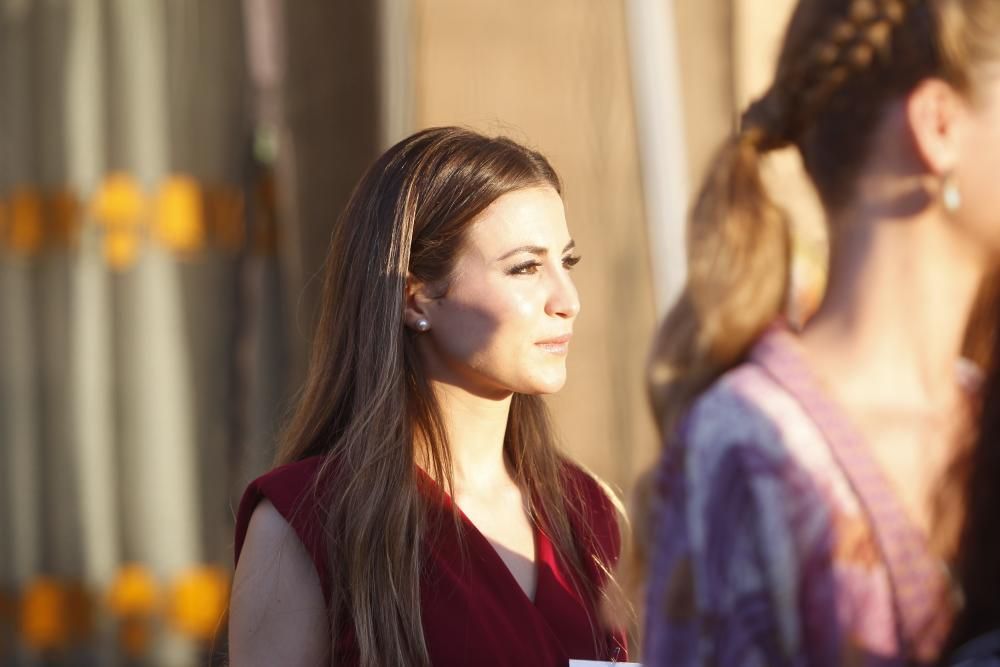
<point x="546" y="385"/>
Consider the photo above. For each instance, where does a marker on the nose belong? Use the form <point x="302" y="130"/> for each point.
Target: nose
<point x="564" y="301"/>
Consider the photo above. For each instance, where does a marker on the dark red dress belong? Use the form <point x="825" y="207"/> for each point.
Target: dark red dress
<point x="474" y="612"/>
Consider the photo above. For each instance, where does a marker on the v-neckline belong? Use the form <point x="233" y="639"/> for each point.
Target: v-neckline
<point x="538" y="537"/>
<point x="918" y="579"/>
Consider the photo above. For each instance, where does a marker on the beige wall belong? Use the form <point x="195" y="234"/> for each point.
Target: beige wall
<point x="555" y="74"/>
<point x="706" y="58"/>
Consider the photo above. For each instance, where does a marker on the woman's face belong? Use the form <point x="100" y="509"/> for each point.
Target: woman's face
<point x="505" y="322"/>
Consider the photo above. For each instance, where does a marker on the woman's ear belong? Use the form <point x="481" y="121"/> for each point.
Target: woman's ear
<point x="417" y="303"/>
<point x="935" y="112"/>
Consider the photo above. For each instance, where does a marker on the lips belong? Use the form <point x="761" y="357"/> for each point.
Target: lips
<point x="557" y="345"/>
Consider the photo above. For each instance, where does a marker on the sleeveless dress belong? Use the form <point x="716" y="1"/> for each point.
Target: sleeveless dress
<point x="473" y="610"/>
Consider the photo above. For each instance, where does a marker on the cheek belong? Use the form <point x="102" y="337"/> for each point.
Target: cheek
<point x="464" y="332"/>
<point x="485" y="327"/>
<point x="517" y="315"/>
<point x="521" y="306"/>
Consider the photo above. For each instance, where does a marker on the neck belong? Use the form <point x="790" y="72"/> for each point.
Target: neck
<point x="898" y="300"/>
<point x="475" y="426"/>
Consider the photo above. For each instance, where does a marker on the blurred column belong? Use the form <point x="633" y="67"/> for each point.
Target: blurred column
<point x="331" y="111"/>
<point x="156" y="418"/>
<point x="91" y="346"/>
<point x="707" y="61"/>
<point x="62" y="546"/>
<point x="658" y="96"/>
<point x="395" y="51"/>
<point x="210" y="148"/>
<point x="266" y="274"/>
<point x="20" y="436"/>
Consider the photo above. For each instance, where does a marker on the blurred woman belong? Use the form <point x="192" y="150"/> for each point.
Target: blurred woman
<point x="799" y="514"/>
<point x="420" y="512"/>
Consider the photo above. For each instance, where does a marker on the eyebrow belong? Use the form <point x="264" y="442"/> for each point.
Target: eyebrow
<point x="535" y="250"/>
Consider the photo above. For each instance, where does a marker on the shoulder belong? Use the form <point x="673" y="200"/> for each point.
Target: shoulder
<point x="294" y="497"/>
<point x="734" y="408"/>
<point x="749" y="457"/>
<point x="277" y="612"/>
<point x="286" y="484"/>
<point x="589" y="489"/>
<point x="267" y="527"/>
<point x="598" y="507"/>
<point x="749" y="414"/>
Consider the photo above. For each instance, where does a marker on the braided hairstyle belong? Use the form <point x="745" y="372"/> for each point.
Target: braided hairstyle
<point x="842" y="63"/>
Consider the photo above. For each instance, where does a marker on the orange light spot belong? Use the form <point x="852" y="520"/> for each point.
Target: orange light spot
<point x="180" y="215"/>
<point x="119" y="201"/>
<point x="25" y="234"/>
<point x="198" y="601"/>
<point x="43" y="621"/>
<point x="134" y="592"/>
<point x="119" y="206"/>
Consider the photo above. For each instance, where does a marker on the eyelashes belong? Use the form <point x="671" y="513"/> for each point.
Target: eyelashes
<point x="532" y="266"/>
<point x="524" y="269"/>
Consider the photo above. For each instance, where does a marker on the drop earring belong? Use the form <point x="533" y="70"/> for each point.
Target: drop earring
<point x="951" y="196"/>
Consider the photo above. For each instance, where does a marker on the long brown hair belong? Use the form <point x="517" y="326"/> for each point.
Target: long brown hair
<point x="367" y="399"/>
<point x="841" y="64"/>
<point x="977" y="566"/>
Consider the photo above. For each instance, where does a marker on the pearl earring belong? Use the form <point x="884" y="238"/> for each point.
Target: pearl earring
<point x="951" y="196"/>
<point x="423" y="325"/>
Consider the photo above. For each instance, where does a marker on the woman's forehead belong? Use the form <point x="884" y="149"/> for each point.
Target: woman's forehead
<point x="530" y="217"/>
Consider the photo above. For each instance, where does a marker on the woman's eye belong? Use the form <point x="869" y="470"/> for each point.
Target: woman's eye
<point x="525" y="269"/>
<point x="570" y="261"/>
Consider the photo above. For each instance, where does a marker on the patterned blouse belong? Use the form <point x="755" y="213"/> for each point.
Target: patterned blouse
<point x="778" y="540"/>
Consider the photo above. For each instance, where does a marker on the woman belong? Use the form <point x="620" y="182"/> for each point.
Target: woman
<point x="420" y="512"/>
<point x="798" y="507"/>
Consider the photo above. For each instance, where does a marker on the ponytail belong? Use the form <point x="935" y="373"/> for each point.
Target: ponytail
<point x="738" y="268"/>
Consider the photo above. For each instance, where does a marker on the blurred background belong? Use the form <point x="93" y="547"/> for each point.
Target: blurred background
<point x="170" y="172"/>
